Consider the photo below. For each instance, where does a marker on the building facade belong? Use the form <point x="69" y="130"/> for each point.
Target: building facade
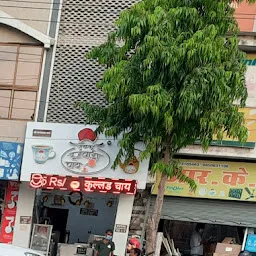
<point x="75" y="26"/>
<point x="43" y="72"/>
<point x="26" y="39"/>
<point x="50" y="40"/>
<point x="225" y="174"/>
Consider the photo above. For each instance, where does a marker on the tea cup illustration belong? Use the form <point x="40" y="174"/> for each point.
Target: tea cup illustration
<point x="42" y="153"/>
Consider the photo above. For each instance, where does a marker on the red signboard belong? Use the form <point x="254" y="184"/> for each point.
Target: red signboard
<point x="84" y="184"/>
<point x="9" y="213"/>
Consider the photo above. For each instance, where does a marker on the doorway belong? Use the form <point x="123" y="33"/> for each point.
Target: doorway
<point x="58" y="219"/>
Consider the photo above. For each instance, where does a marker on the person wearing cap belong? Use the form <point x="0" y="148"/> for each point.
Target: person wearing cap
<point x="132" y="244"/>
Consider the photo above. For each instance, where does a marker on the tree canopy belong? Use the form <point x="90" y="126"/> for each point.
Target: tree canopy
<point x="174" y="74"/>
<point x="174" y="70"/>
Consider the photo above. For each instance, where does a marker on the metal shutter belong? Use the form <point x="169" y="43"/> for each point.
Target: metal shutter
<point x="230" y="213"/>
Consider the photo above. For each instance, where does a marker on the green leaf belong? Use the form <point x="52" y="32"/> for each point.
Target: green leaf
<point x="173" y="69"/>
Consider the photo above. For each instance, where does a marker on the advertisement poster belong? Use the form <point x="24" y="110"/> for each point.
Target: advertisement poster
<point x="10" y="160"/>
<point x="41" y="237"/>
<point x="9" y="212"/>
<point x="214" y="180"/>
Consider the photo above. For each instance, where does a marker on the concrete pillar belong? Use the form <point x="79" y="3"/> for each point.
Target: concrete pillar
<point x="25" y="207"/>
<point x="123" y="217"/>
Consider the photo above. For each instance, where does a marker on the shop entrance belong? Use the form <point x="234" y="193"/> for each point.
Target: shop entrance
<point x="225" y="223"/>
<point x="181" y="232"/>
<point x="58" y="219"/>
<point x="75" y="217"/>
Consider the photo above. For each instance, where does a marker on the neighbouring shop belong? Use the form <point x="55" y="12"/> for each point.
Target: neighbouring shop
<point x="10" y="165"/>
<point x="224" y="201"/>
<point x="77" y="195"/>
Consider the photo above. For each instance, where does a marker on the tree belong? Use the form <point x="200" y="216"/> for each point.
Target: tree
<point x="173" y="74"/>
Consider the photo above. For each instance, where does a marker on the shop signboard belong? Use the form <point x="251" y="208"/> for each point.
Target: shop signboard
<point x="81" y="250"/>
<point x="250" y="124"/>
<point x="9" y="212"/>
<point x="70" y="149"/>
<point x="90" y="212"/>
<point x="10" y="160"/>
<point x="249" y="111"/>
<point x="25" y="219"/>
<point x="214" y="180"/>
<point x="250" y="79"/>
<point x="86" y="184"/>
<point x="120" y="228"/>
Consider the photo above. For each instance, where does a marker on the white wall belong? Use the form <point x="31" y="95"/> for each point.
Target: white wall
<point x="29" y="12"/>
<point x="123" y="217"/>
<point x="12" y="130"/>
<point x="213" y="151"/>
<point x="24" y="208"/>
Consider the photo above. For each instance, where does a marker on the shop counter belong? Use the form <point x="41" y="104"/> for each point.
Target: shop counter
<point x="74" y="249"/>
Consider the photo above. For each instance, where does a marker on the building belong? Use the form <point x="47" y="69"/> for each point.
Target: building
<point x="81" y="25"/>
<point x="44" y="42"/>
<point x="225" y="174"/>
<point x="27" y="37"/>
<point x="60" y="33"/>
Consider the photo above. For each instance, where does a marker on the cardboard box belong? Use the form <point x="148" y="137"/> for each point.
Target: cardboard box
<point x="228" y="249"/>
<point x="222" y="254"/>
<point x="229" y="240"/>
<point x="210" y="248"/>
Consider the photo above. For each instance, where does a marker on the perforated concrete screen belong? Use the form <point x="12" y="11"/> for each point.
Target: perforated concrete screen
<point x="74" y="79"/>
<point x="84" y="24"/>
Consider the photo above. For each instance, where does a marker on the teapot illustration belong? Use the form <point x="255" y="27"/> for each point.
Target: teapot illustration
<point x="132" y="166"/>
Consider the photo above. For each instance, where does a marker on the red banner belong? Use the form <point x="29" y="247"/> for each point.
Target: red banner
<point x="9" y="212"/>
<point x="102" y="185"/>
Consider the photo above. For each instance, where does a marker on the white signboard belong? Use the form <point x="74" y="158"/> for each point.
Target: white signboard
<point x="250" y="77"/>
<point x="76" y="150"/>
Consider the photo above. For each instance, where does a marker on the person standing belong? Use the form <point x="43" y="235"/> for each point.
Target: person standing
<point x="196" y="241"/>
<point x="105" y="247"/>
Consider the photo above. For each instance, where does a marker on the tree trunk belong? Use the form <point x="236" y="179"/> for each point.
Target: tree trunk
<point x="154" y="219"/>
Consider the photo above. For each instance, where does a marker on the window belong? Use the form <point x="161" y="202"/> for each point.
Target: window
<point x="20" y="69"/>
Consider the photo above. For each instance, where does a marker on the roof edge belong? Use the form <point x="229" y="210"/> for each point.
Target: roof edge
<point x="8" y="20"/>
